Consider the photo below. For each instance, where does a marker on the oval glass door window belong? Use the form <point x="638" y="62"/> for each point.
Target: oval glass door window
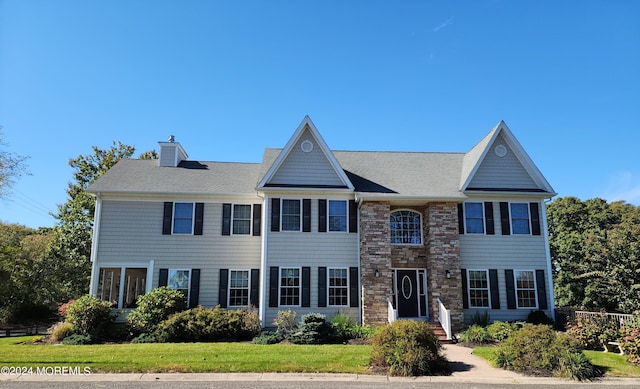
<point x="407" y="287"/>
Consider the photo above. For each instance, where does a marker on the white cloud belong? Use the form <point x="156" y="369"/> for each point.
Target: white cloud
<point x="444" y="24"/>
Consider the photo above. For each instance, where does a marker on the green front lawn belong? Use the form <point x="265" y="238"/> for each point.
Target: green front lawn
<point x="188" y="357"/>
<point x="613" y="365"/>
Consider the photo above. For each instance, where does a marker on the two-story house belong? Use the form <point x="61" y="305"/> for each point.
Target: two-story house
<point x="375" y="235"/>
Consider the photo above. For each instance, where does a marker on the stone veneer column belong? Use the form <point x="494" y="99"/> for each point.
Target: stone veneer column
<point x="441" y="224"/>
<point x="375" y="254"/>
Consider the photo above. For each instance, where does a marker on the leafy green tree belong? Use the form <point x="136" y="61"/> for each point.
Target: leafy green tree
<point x="595" y="252"/>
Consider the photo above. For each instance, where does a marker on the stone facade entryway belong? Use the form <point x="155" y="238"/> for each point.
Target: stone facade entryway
<point x="409" y="298"/>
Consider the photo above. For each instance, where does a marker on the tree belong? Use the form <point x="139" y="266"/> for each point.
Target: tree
<point x="595" y="250"/>
<point x="12" y="166"/>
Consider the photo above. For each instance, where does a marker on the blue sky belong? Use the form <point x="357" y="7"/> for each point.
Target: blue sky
<point x="229" y="78"/>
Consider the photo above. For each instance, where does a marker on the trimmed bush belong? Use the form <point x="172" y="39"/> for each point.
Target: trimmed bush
<point x="593" y="332"/>
<point x="408" y="348"/>
<point x="60" y="330"/>
<point x="208" y="325"/>
<point x="344" y="326"/>
<point x="144" y="338"/>
<point x="313" y="329"/>
<point x="268" y="337"/>
<point x="538" y="350"/>
<point x="476" y="334"/>
<point x="155" y="307"/>
<point x="539" y="317"/>
<point x="501" y="330"/>
<point x="90" y="316"/>
<point x="75" y="340"/>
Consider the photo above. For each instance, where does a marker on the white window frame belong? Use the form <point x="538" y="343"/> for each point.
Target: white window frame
<point x="123" y="267"/>
<point x="470" y="288"/>
<point x="299" y="287"/>
<point x="346" y="216"/>
<point x="420" y="229"/>
<point x="173" y="218"/>
<point x="248" y="288"/>
<point x="511" y="218"/>
<point x="233" y="219"/>
<point x="535" y="288"/>
<point x="188" y="281"/>
<point x="345" y="287"/>
<point x="299" y="200"/>
<point x="466" y="217"/>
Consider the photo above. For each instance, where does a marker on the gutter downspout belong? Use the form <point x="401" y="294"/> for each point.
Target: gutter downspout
<point x="263" y="262"/>
<point x="360" y="311"/>
<point x="552" y="299"/>
<point x="93" y="282"/>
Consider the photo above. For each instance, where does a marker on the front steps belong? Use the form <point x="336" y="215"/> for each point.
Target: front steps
<point x="440" y="333"/>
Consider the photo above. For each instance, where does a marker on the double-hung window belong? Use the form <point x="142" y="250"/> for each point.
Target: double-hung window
<point x="291" y="215"/>
<point x="179" y="280"/>
<point x="525" y="288"/>
<point x="183" y="218"/>
<point x="478" y="289"/>
<point x="241" y="219"/>
<point x="474" y="218"/>
<point x="338" y="287"/>
<point x="239" y="288"/>
<point x="290" y="286"/>
<point x="520" y="218"/>
<point x="337" y="215"/>
<point x="406" y="227"/>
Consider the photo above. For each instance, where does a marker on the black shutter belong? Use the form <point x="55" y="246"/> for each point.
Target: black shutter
<point x="542" y="291"/>
<point x="274" y="275"/>
<point x="197" y="230"/>
<point x="504" y="218"/>
<point x="353" y="217"/>
<point x="226" y="219"/>
<point x="535" y="218"/>
<point x="275" y="216"/>
<point x="322" y="215"/>
<point x="354" y="287"/>
<point x="167" y="217"/>
<point x="488" y="218"/>
<point x="465" y="290"/>
<point x="306" y="286"/>
<point x="194" y="294"/>
<point x="322" y="287"/>
<point x="493" y="288"/>
<point x="223" y="288"/>
<point x="257" y="219"/>
<point x="511" y="290"/>
<point x="461" y="219"/>
<point x="306" y="215"/>
<point x="163" y="278"/>
<point x="254" y="292"/>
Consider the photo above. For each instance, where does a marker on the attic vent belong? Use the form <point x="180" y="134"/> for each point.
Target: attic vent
<point x="306" y="146"/>
<point x="172" y="138"/>
<point x="500" y="151"/>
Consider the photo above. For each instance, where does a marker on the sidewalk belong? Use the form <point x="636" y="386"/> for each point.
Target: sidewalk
<point x="466" y="368"/>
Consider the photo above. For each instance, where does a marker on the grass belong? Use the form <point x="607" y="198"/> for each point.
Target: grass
<point x="613" y="365"/>
<point x="188" y="357"/>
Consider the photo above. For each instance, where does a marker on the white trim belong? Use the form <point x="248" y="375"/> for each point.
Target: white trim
<point x="549" y="286"/>
<point x="346" y="216"/>
<point x="193" y="218"/>
<point x="301" y="214"/>
<point x="528" y="207"/>
<point x="484" y="218"/>
<point x="233" y="212"/>
<point x="535" y="287"/>
<point x="122" y="266"/>
<point x="348" y="287"/>
<point x="189" y="282"/>
<point x="421" y="227"/>
<point x="248" y="288"/>
<point x="306" y="123"/>
<point x="94" y="244"/>
<point x="486" y="271"/>
<point x="263" y="261"/>
<point x="280" y="286"/>
<point x="419" y="280"/>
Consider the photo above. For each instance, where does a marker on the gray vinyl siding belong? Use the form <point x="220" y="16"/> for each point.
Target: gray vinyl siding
<point x="168" y="156"/>
<point x="132" y="231"/>
<point x="300" y="168"/>
<point x="313" y="249"/>
<point x="503" y="173"/>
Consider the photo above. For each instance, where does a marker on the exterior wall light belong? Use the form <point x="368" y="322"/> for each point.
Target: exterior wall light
<point x="377" y="273"/>
<point x="447" y="274"/>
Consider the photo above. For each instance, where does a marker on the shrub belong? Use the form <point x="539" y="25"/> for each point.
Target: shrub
<point x="407" y="348"/>
<point x="539" y="317"/>
<point x="593" y="332"/>
<point x="155" y="307"/>
<point x="62" y="309"/>
<point x="268" y="337"/>
<point x="345" y="327"/>
<point x="90" y="316"/>
<point x="500" y="330"/>
<point x="480" y="318"/>
<point x="538" y="350"/>
<point x="313" y="329"/>
<point x="144" y="338"/>
<point x="476" y="334"/>
<point x="285" y="321"/>
<point x="78" y="339"/>
<point x="208" y="325"/>
<point x="60" y="330"/>
<point x="631" y="345"/>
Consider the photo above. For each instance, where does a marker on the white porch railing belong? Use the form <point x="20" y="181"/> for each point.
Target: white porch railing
<point x="444" y="317"/>
<point x="392" y="314"/>
<point x="620" y="318"/>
